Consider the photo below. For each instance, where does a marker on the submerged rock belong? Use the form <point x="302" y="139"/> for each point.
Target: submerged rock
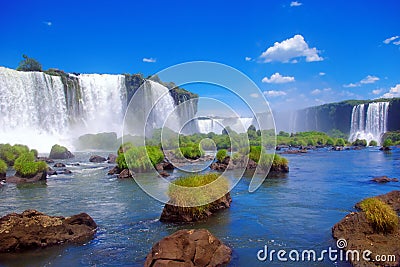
<point x="164" y="174"/>
<point x="59" y="165"/>
<point x="196" y="247"/>
<point x="97" y="159"/>
<point x="178" y="214"/>
<point x="32" y="229"/>
<point x="383" y="179"/>
<point x="114" y="171"/>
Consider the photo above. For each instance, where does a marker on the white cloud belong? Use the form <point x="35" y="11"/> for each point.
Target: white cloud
<point x="321" y="73"/>
<point x="369" y="79"/>
<point x="377" y="91"/>
<point x="290" y="49"/>
<point x="396" y="43"/>
<point x="327" y="89"/>
<point x="254" y="95"/>
<point x="149" y="60"/>
<point x="48" y="23"/>
<point x="393" y="92"/>
<point x="273" y="93"/>
<point x="278" y="78"/>
<point x="247" y="58"/>
<point x="316" y="92"/>
<point x="389" y="40"/>
<point x="295" y="3"/>
<point x="351" y="85"/>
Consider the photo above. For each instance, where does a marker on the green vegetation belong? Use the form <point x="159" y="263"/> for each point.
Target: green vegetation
<point x="180" y="196"/>
<point x="311" y="138"/>
<point x="393" y="136"/>
<point x="382" y="217"/>
<point x="138" y="158"/>
<point x="29" y="64"/>
<point x="388" y="142"/>
<point x="58" y="149"/>
<point x="190" y="151"/>
<point x="26" y="166"/>
<point x="373" y="143"/>
<point x="3" y="167"/>
<point x="221" y="155"/>
<point x="340" y="142"/>
<point x="360" y="142"/>
<point x="10" y="153"/>
<point x="104" y="141"/>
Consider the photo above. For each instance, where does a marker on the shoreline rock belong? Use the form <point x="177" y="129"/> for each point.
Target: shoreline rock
<point x="360" y="234"/>
<point x="194" y="247"/>
<point x="176" y="214"/>
<point x="32" y="229"/>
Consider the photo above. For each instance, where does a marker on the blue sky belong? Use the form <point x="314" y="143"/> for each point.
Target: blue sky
<point x="299" y="53"/>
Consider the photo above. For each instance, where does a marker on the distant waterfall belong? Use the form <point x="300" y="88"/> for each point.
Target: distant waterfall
<point x="370" y="124"/>
<point x="208" y="125"/>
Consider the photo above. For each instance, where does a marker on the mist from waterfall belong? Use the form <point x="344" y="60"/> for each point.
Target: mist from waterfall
<point x="370" y="122"/>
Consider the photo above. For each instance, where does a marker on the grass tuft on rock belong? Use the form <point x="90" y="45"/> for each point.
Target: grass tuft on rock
<point x="382" y="217"/>
<point x="184" y="198"/>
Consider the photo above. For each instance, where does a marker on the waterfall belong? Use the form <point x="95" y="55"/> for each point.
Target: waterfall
<point x="32" y="108"/>
<point x="40" y="110"/>
<point x="369" y="125"/>
<point x="103" y="102"/>
<point x="208" y="125"/>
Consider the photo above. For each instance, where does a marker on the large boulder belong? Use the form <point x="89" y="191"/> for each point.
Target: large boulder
<point x="41" y="176"/>
<point x="360" y="235"/>
<point x="32" y="229"/>
<point x="97" y="159"/>
<point x="177" y="214"/>
<point x="60" y="152"/>
<point x="196" y="247"/>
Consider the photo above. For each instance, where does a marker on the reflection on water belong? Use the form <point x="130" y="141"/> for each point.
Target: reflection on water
<point x="296" y="212"/>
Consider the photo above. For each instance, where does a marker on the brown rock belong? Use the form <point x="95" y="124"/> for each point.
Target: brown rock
<point x="41" y="176"/>
<point x="383" y="179"/>
<point x="178" y="214"/>
<point x="112" y="158"/>
<point x="59" y="165"/>
<point x="360" y="234"/>
<point x="32" y="229"/>
<point x="114" y="170"/>
<point x="97" y="159"/>
<point x="196" y="247"/>
<point x="164" y="174"/>
<point x="125" y="174"/>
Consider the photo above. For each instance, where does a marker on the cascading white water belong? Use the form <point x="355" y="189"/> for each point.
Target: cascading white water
<point x="208" y="125"/>
<point x="40" y="110"/>
<point x="32" y="108"/>
<point x="370" y="125"/>
<point x="103" y="101"/>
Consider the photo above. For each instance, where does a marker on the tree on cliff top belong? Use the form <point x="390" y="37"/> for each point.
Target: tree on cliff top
<point x="29" y="64"/>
